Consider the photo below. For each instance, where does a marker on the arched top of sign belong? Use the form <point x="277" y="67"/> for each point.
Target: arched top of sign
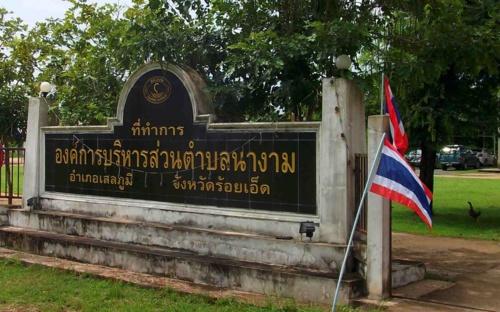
<point x="154" y="85"/>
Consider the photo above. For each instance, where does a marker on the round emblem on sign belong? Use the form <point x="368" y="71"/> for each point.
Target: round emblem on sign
<point x="157" y="89"/>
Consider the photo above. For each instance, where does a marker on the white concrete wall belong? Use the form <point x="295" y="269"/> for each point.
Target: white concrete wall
<point x="378" y="249"/>
<point x="37" y="118"/>
<point x="342" y="135"/>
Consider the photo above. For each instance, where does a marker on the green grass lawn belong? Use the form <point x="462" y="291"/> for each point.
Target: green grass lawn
<point x="36" y="288"/>
<point x="18" y="172"/>
<point x="451" y="217"/>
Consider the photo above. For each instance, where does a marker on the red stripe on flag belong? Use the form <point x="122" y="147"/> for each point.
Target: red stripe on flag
<point x="400" y="139"/>
<point x="392" y="147"/>
<point x="400" y="198"/>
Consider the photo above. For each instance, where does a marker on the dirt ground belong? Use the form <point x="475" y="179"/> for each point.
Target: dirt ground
<point x="462" y="274"/>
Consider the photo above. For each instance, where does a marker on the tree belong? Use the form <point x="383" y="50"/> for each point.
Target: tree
<point x="443" y="58"/>
<point x="261" y="59"/>
<point x="15" y="78"/>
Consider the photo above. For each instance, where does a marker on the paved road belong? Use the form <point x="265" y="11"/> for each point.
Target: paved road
<point x="463" y="275"/>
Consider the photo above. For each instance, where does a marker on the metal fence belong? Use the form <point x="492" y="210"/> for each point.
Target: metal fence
<point x="360" y="176"/>
<point x="11" y="173"/>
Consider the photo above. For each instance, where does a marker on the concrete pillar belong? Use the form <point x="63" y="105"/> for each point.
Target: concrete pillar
<point x="342" y="135"/>
<point x="378" y="249"/>
<point x="37" y="118"/>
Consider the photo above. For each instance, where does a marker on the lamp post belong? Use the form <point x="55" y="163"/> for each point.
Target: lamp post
<point x="46" y="93"/>
<point x="45" y="88"/>
<point x="343" y="62"/>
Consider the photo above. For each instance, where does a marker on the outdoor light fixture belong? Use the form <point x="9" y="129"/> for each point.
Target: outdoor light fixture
<point x="308" y="228"/>
<point x="33" y="202"/>
<point x="343" y="62"/>
<point x="45" y="88"/>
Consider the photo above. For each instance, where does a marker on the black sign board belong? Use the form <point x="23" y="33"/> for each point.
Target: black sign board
<point x="160" y="153"/>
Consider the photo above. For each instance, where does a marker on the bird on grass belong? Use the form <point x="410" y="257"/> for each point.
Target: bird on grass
<point x="473" y="213"/>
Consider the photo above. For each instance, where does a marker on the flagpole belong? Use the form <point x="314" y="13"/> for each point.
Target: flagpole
<point x="356" y="219"/>
<point x="382" y="94"/>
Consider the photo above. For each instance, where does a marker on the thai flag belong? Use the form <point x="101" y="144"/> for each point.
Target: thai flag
<point x="396" y="181"/>
<point x="399" y="137"/>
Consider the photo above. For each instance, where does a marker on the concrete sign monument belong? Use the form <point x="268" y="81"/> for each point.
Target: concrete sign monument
<point x="164" y="189"/>
<point x="162" y="152"/>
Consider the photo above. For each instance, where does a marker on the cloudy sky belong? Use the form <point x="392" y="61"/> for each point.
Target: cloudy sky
<point x="31" y="11"/>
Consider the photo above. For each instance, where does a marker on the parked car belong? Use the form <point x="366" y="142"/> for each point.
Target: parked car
<point x="485" y="158"/>
<point x="459" y="157"/>
<point x="415" y="156"/>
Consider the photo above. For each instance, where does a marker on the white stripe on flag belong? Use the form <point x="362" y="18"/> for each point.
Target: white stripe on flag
<point x="401" y="189"/>
<point x="401" y="128"/>
<point x="390" y="153"/>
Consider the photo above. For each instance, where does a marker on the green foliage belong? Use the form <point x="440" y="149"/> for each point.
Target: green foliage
<point x="15" y="78"/>
<point x="443" y="59"/>
<point x="262" y="60"/>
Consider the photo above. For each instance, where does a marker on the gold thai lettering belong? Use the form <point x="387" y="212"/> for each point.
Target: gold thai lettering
<point x="148" y="129"/>
<point x="201" y="159"/>
<point x="212" y="163"/>
<point x="205" y="184"/>
<point x="136" y="127"/>
<point x="254" y="186"/>
<point x="108" y="155"/>
<point x="73" y="156"/>
<point x="286" y="165"/>
<point x="220" y="184"/>
<point x="155" y="129"/>
<point x="177" y="181"/>
<point x="265" y="189"/>
<point x="191" y="185"/>
<point x="254" y="160"/>
<point x="126" y="158"/>
<point x="154" y="155"/>
<point x="238" y="162"/>
<point x="59" y="156"/>
<point x="92" y="153"/>
<point x="164" y="154"/>
<point x="201" y="182"/>
<point x="145" y="158"/>
<point x="238" y="187"/>
<point x="163" y="130"/>
<point x="83" y="156"/>
<point x="175" y="160"/>
<point x="276" y="161"/>
<point x="263" y="162"/>
<point x="98" y="153"/>
<point x="225" y="161"/>
<point x="189" y="159"/>
<point x="137" y="155"/>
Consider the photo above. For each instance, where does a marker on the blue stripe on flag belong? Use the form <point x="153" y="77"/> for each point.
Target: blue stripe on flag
<point x="393" y="170"/>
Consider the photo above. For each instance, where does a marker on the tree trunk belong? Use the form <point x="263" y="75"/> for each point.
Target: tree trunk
<point x="427" y="162"/>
